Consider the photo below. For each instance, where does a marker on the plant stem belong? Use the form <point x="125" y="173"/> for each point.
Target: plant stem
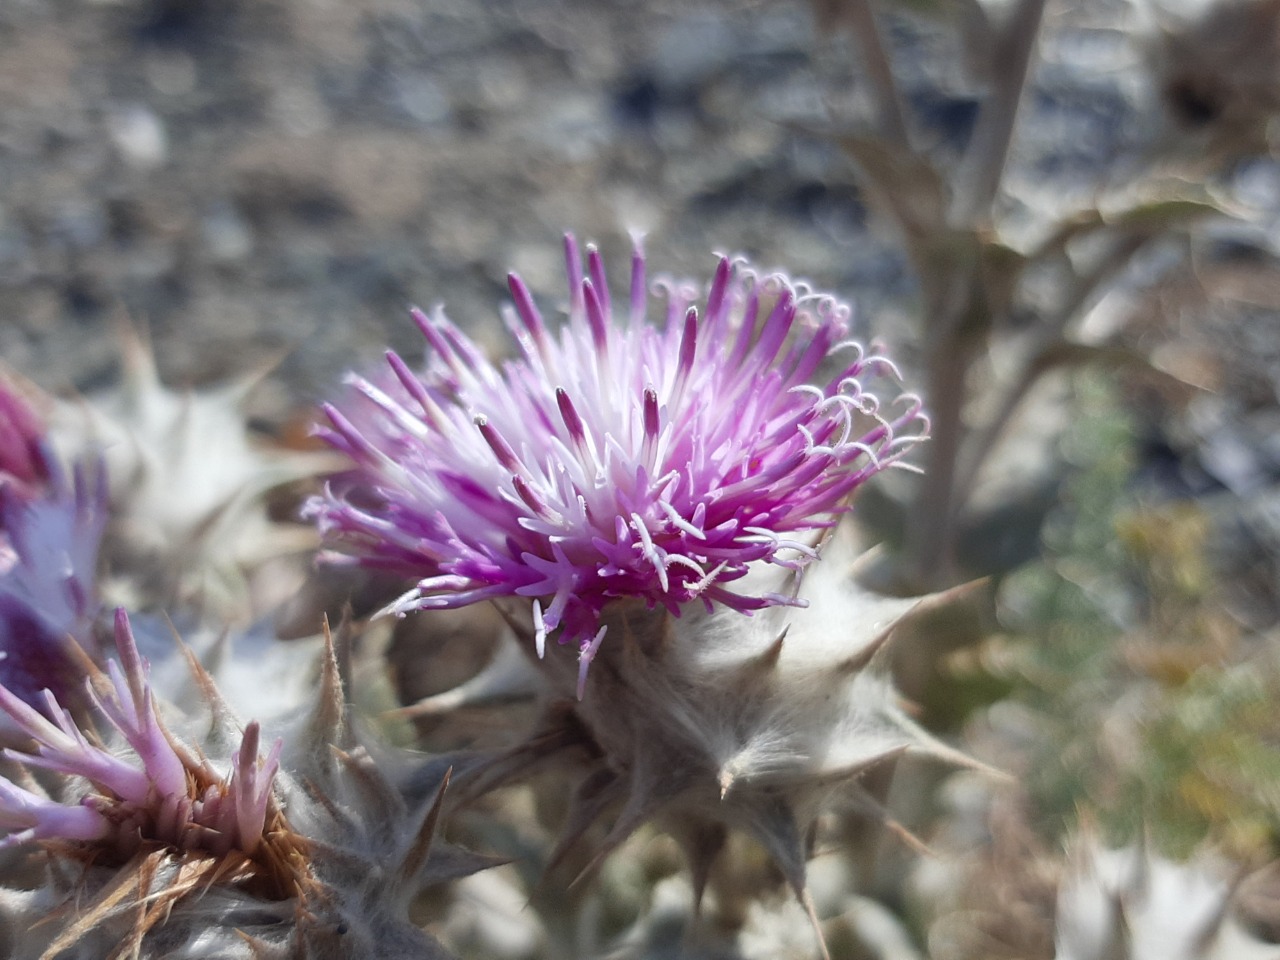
<point x="889" y="119"/>
<point x="1050" y="333"/>
<point x="983" y="164"/>
<point x="950" y="356"/>
<point x="958" y="319"/>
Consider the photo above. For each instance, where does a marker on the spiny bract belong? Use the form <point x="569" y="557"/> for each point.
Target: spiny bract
<point x="1129" y="904"/>
<point x="188" y="479"/>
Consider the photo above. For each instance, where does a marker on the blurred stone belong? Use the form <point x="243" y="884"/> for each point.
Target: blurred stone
<point x="139" y="135"/>
<point x="299" y="109"/>
<point x="693" y="48"/>
<point x="422" y="99"/>
<point x="171" y="73"/>
<point x="77" y="225"/>
<point x="227" y="237"/>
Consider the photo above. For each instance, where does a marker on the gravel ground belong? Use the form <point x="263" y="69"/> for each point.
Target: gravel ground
<point x="241" y="174"/>
<point x="249" y="174"/>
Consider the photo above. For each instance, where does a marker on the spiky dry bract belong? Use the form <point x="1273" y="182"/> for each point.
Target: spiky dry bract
<point x="668" y="929"/>
<point x="617" y="459"/>
<point x="339" y="854"/>
<point x="1000" y="891"/>
<point x="371" y="850"/>
<point x="189" y="478"/>
<point x="48" y="568"/>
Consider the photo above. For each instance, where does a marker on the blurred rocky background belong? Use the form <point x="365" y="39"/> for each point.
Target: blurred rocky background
<point x="241" y="175"/>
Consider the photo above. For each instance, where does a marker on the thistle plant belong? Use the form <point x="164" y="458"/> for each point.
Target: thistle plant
<point x="658" y="513"/>
<point x="1131" y="903"/>
<point x="1014" y="896"/>
<point x="168" y="797"/>
<point x="658" y="498"/>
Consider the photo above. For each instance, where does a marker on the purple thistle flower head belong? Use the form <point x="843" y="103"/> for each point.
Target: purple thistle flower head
<point x="164" y="794"/>
<point x="48" y="571"/>
<point x="49" y="537"/>
<point x="616" y="458"/>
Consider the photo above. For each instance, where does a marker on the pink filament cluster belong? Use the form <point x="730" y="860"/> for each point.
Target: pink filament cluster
<point x="166" y="795"/>
<point x="615" y="458"/>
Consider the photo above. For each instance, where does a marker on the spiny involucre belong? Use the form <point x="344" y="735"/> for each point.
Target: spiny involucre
<point x="616" y="459"/>
<point x="714" y="723"/>
<point x="163" y="851"/>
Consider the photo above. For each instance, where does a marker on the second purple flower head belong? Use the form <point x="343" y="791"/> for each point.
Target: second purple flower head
<point x="616" y="458"/>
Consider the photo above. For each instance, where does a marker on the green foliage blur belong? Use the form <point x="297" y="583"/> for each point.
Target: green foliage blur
<point x="1154" y="710"/>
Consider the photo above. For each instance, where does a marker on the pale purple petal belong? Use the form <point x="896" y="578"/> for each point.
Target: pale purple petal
<point x="60" y="746"/>
<point x="250" y="787"/>
<point x="133" y="712"/>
